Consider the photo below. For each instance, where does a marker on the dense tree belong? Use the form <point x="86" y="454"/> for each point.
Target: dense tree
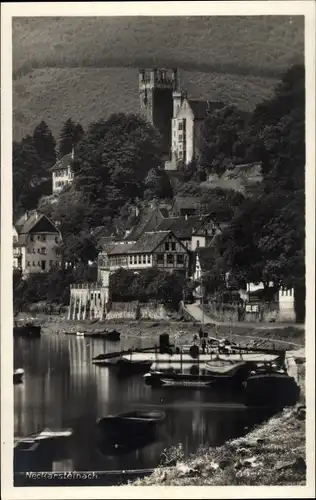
<point x="222" y="143"/>
<point x="113" y="161"/>
<point x="45" y="145"/>
<point x="157" y="185"/>
<point x="145" y="285"/>
<point x="30" y="181"/>
<point x="70" y="135"/>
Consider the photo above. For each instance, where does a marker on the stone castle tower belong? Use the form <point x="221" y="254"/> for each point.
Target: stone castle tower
<point x="156" y="88"/>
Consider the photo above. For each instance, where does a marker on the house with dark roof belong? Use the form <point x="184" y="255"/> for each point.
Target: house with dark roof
<point x="188" y="117"/>
<point x="193" y="231"/>
<point x="62" y="173"/>
<point x="160" y="249"/>
<point x="185" y="205"/>
<point x="36" y="243"/>
<point x="147" y="220"/>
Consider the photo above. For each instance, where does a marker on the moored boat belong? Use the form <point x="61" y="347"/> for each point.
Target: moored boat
<point x="125" y="366"/>
<point x="126" y="427"/>
<point x="18" y="375"/>
<point x="174" y="379"/>
<point x="273" y="389"/>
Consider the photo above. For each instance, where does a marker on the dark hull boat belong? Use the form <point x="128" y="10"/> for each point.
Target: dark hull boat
<point x="127" y="428"/>
<point x="271" y="389"/>
<point x="28" y="330"/>
<point x="18" y="376"/>
<point x="112" y="335"/>
<point x="125" y="367"/>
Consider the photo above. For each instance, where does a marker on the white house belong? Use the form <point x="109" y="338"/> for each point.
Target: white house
<point x="62" y="173"/>
<point x="36" y="243"/>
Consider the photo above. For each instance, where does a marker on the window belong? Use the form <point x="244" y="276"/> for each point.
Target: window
<point x="180" y="126"/>
<point x="39" y="237"/>
<point x="144" y="259"/>
<point x="34" y="250"/>
<point x="43" y="250"/>
<point x="173" y="246"/>
<point x="51" y="263"/>
<point x="197" y="243"/>
<point x="180" y="137"/>
<point x="38" y="250"/>
<point x="131" y="259"/>
<point x="180" y="259"/>
<point x="139" y="259"/>
<point x="167" y="247"/>
<point x="28" y="263"/>
<point x="148" y="259"/>
<point x="160" y="258"/>
<point x="43" y="237"/>
<point x="135" y="259"/>
<point x="31" y="237"/>
<point x="170" y="259"/>
<point x="34" y="264"/>
<point x="181" y="154"/>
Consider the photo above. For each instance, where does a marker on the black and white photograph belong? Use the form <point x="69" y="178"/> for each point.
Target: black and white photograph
<point x="155" y="248"/>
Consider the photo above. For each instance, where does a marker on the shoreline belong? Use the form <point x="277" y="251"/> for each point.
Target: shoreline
<point x="286" y="337"/>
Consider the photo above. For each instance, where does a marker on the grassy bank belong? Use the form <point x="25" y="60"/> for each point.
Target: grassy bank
<point x="272" y="454"/>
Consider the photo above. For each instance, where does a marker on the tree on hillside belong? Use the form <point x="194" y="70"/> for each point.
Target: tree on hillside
<point x="28" y="181"/>
<point x="113" y="161"/>
<point x="221" y="203"/>
<point x="70" y="135"/>
<point x="45" y="145"/>
<point x="266" y="240"/>
<point x="222" y="139"/>
<point x="157" y="185"/>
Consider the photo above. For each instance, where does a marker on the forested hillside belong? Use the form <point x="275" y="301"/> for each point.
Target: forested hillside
<point x="55" y="60"/>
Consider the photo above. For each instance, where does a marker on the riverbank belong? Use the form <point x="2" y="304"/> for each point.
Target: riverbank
<point x="273" y="454"/>
<point x="289" y="338"/>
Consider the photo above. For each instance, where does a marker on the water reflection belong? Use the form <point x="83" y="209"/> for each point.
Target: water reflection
<point x="63" y="389"/>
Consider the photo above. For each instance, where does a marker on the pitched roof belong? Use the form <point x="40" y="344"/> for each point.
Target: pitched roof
<point x="146" y="222"/>
<point x="27" y="222"/>
<point x="201" y="108"/>
<point x="120" y="248"/>
<point x="149" y="241"/>
<point x="182" y="227"/>
<point x="64" y="162"/>
<point x="187" y="201"/>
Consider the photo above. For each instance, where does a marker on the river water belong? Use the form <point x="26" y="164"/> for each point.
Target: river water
<point x="63" y="389"/>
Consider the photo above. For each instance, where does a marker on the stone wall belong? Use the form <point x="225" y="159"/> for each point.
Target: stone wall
<point x="266" y="312"/>
<point x="123" y="310"/>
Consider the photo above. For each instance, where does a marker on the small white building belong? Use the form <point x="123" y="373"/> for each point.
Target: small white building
<point x="62" y="173"/>
<point x="36" y="243"/>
